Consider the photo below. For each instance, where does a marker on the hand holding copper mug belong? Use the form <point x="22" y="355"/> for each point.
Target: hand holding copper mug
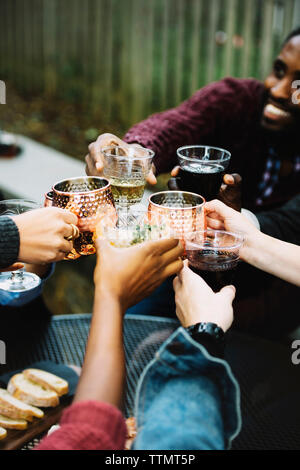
<point x="90" y="199"/>
<point x="75" y="233"/>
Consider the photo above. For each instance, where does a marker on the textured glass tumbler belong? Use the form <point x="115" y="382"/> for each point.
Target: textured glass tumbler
<point x="182" y="211"/>
<point x="127" y="173"/>
<point x="91" y="199"/>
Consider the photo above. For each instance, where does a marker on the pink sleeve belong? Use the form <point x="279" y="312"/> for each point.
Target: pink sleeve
<point x="88" y="425"/>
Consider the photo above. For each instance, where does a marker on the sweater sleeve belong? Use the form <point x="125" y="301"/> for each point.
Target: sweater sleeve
<point x="211" y="111"/>
<point x="88" y="425"/>
<point x="9" y="242"/>
<point x="282" y="223"/>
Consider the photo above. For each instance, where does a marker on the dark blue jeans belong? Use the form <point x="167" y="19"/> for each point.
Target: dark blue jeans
<point x="160" y="303"/>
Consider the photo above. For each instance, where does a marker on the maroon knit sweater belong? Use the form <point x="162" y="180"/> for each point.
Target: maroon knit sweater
<point x="88" y="425"/>
<point x="223" y="114"/>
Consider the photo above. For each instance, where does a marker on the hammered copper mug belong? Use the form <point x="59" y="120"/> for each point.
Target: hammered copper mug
<point x="183" y="212"/>
<point x="90" y="199"/>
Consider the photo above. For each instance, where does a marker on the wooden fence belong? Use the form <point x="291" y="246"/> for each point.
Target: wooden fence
<point x="124" y="59"/>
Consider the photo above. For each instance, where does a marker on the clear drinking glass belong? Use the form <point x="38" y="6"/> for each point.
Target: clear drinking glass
<point x="134" y="225"/>
<point x="20" y="280"/>
<point x="201" y="169"/>
<point x="127" y="173"/>
<point x="214" y="255"/>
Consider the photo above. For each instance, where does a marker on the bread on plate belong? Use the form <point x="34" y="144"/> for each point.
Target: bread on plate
<point x="31" y="393"/>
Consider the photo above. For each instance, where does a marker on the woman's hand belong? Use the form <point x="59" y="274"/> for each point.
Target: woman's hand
<point x="196" y="302"/>
<point x="130" y="274"/>
<point x="221" y="217"/>
<point x="94" y="159"/>
<point x="43" y="234"/>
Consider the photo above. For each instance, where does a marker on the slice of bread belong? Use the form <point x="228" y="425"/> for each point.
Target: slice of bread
<point x="47" y="380"/>
<point x="3" y="433"/>
<point x="31" y="393"/>
<point x="9" y="423"/>
<point x="16" y="409"/>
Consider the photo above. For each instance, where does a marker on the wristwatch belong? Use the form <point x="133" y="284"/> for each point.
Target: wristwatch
<point x="211" y="330"/>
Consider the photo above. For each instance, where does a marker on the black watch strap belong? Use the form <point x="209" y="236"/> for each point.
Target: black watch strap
<point x="210" y="335"/>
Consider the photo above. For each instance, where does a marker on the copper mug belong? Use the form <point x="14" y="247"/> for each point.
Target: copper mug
<point x="91" y="200"/>
<point x="183" y="212"/>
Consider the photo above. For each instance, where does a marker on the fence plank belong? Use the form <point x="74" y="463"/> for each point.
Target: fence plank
<point x="211" y="41"/>
<point x="230" y="29"/>
<point x="196" y="41"/>
<point x="266" y="38"/>
<point x="179" y="52"/>
<point x="248" y="38"/>
<point x="49" y="46"/>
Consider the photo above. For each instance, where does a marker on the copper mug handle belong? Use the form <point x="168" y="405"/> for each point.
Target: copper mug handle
<point x="48" y="199"/>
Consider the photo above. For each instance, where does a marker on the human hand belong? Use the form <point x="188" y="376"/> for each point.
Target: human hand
<point x="94" y="159"/>
<point x="133" y="273"/>
<point x="231" y="191"/>
<point x="196" y="302"/>
<point x="221" y="217"/>
<point x="13" y="267"/>
<point x="43" y="234"/>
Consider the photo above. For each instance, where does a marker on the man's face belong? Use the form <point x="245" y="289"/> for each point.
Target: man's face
<point x="280" y="113"/>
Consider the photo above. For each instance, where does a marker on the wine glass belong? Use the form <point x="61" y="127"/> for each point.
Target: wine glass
<point x="20" y="280"/>
<point x="201" y="169"/>
<point x="214" y="255"/>
<point x="127" y="173"/>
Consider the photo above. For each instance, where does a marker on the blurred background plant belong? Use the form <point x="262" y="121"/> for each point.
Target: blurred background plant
<point x="74" y="69"/>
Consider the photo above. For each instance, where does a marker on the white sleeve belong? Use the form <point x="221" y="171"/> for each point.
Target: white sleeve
<point x="250" y="216"/>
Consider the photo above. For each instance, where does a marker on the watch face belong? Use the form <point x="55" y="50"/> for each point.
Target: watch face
<point x="206" y="328"/>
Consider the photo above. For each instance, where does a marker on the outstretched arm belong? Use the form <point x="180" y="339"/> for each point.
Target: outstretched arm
<point x="269" y="254"/>
<point x="123" y="276"/>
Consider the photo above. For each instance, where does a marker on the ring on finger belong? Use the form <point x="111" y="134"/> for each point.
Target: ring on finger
<point x="75" y="233"/>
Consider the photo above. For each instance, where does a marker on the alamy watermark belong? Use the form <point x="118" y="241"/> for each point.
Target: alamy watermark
<point x="296" y="354"/>
<point x="2" y="352"/>
<point x="2" y="92"/>
<point x="295" y="95"/>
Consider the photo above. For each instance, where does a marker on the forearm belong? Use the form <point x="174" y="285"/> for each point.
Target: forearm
<point x="9" y="242"/>
<point x="274" y="256"/>
<point x="103" y="370"/>
<point x="165" y="132"/>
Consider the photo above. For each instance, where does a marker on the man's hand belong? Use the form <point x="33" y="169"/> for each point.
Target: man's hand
<point x="196" y="302"/>
<point x="130" y="274"/>
<point x="94" y="159"/>
<point x="230" y="192"/>
<point x="43" y="234"/>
